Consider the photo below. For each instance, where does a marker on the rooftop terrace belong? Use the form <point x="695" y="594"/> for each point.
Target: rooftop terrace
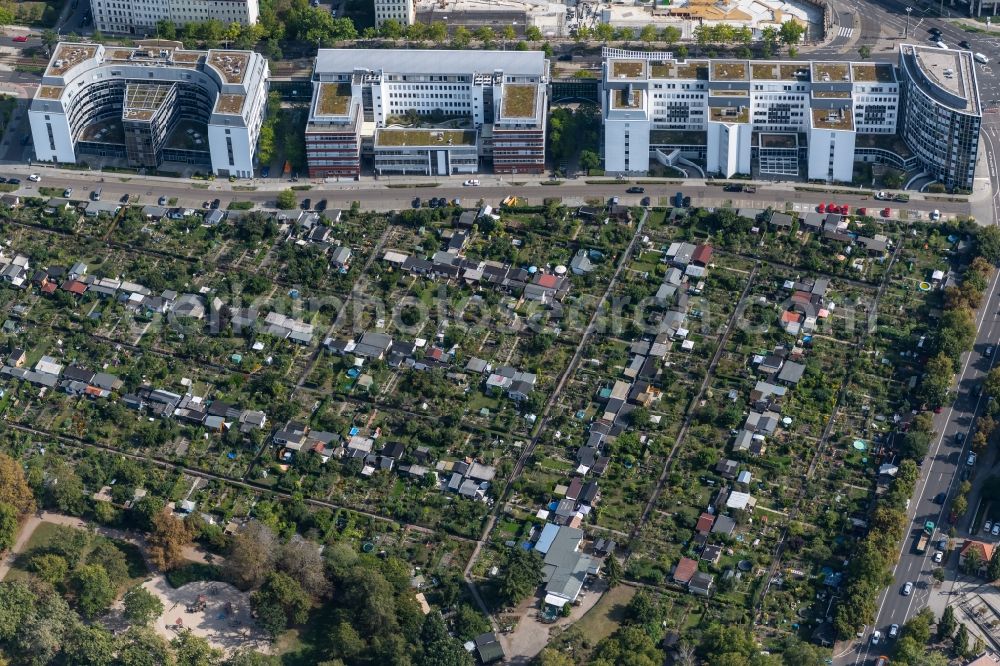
<point x="729" y="114"/>
<point x="779" y="71"/>
<point x="230" y="104"/>
<point x="729" y="70"/>
<point x="424" y="137"/>
<point x="949" y="70"/>
<point x="830" y="72"/>
<point x="334" y="99"/>
<point x="628" y="69"/>
<point x="231" y="64"/>
<point x="518" y="100"/>
<point x="68" y="55"/>
<point x="620" y="99"/>
<point x="839" y="119"/>
<point x="874" y="73"/>
<point x="671" y="69"/>
<point x="50" y="92"/>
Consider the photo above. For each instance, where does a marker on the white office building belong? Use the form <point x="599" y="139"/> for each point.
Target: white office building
<point x="427" y="112"/>
<point x="403" y="11"/>
<point x="150" y="105"/>
<point x="773" y="118"/>
<point x="139" y="17"/>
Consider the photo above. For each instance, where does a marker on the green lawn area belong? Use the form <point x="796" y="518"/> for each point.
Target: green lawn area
<point x="39" y="540"/>
<point x="607" y="614"/>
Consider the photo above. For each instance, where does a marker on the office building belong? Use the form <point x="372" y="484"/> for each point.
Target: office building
<point x="150" y="105"/>
<point x="139" y="17"/>
<point x="403" y="11"/>
<point x="427" y="112"/>
<point x="942" y="115"/>
<point x="772" y="118"/>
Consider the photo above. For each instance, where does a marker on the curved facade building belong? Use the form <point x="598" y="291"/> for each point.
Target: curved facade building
<point x="941" y="113"/>
<point x="150" y="105"/>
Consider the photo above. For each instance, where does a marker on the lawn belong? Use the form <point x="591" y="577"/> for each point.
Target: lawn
<point x="607" y="614"/>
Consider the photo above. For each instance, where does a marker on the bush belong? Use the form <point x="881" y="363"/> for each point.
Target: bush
<point x="191" y="572"/>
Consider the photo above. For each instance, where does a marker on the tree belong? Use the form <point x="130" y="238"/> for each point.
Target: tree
<point x="89" y="645"/>
<point x="9" y="523"/>
<point x="865" y="52"/>
<point x="648" y="34"/>
<point x="284" y="593"/>
<point x="252" y="555"/>
<point x="141" y="607"/>
<point x="247" y="657"/>
<point x="461" y="37"/>
<point x="671" y="35"/>
<point x="589" y="160"/>
<point x="194" y="650"/>
<point x="604" y="32"/>
<point x="520" y="574"/>
<point x="485" y="34"/>
<point x="94" y="591"/>
<point x="791" y="32"/>
<point x="612" y="571"/>
<point x="508" y="33"/>
<point x="16" y="603"/>
<point x="50" y="567"/>
<point x="50" y="39"/>
<point x="533" y="34"/>
<point x="167" y="540"/>
<point x="140" y="646"/>
<point x="552" y="657"/>
<point x="988" y="243"/>
<point x="946" y="627"/>
<point x="302" y="560"/>
<point x="14" y="489"/>
<point x="961" y="641"/>
<point x="800" y="653"/>
<point x="437" y="32"/>
<point x="469" y="622"/>
<point x="286" y="200"/>
<point x="438" y="648"/>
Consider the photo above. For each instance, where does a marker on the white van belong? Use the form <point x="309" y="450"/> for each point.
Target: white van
<point x="980" y="58"/>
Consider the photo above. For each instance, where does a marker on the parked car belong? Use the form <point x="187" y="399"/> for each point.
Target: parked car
<point x="472" y="182"/>
<point x="996" y="529"/>
<point x="321" y="205"/>
<point x="940" y="44"/>
<point x="964" y="45"/>
<point x="67" y="193"/>
<point x="124" y="199"/>
<point x="862" y="211"/>
<point x="265" y="171"/>
<point x="732" y="187"/>
<point x="907" y="589"/>
<point x="960" y="437"/>
<point x="938" y="557"/>
<point x="986" y="526"/>
<point x="893" y="631"/>
<point x="416" y="202"/>
<point x="162" y="201"/>
<point x="645" y="201"/>
<point x="216" y="203"/>
<point x="678" y="200"/>
<point x="876" y="637"/>
<point x="989" y="352"/>
<point x="20" y="39"/>
<point x="971" y="460"/>
<point x="940" y="497"/>
<point x="636" y="190"/>
<point x="14" y="181"/>
<point x="935" y="214"/>
<point x="34" y="178"/>
<point x="306" y="203"/>
<point x="886" y="212"/>
<point x="206" y="204"/>
<point x="686" y="201"/>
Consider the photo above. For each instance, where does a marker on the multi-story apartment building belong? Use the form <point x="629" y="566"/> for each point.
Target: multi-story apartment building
<point x="150" y="105"/>
<point x="403" y="11"/>
<point x="427" y="112"/>
<point x="139" y="17"/>
<point x="942" y="115"/>
<point x="743" y="115"/>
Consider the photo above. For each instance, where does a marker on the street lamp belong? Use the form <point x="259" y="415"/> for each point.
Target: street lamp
<point x="906" y="34"/>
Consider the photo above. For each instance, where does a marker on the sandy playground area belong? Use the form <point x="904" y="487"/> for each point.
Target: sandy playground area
<point x="216" y="611"/>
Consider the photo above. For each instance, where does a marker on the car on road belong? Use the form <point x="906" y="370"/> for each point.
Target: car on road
<point x="162" y="201"/>
<point x="980" y="58"/>
<point x="971" y="460"/>
<point x="960" y="437"/>
<point x="645" y="201"/>
<point x="938" y="556"/>
<point x="265" y="171"/>
<point x="964" y="45"/>
<point x="416" y="202"/>
<point x="893" y="631"/>
<point x="306" y="204"/>
<point x="216" y="203"/>
<point x="940" y="45"/>
<point x="940" y="498"/>
<point x="934" y="31"/>
<point x="67" y="193"/>
<point x="472" y="182"/>
<point x="989" y="352"/>
<point x="882" y="195"/>
<point x="732" y="188"/>
<point x="20" y="39"/>
<point x="876" y="637"/>
<point x="636" y="190"/>
<point x="907" y="588"/>
<point x="34" y="178"/>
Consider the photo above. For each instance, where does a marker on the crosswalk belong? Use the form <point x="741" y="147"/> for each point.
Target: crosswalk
<point x="844" y="31"/>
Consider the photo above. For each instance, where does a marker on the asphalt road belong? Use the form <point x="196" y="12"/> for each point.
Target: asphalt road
<point x="945" y="462"/>
<point x="377" y="196"/>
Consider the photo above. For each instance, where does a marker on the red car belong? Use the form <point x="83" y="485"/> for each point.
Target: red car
<point x="886" y="212"/>
<point x="21" y="38"/>
<point x="862" y="211"/>
<point x="821" y="208"/>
